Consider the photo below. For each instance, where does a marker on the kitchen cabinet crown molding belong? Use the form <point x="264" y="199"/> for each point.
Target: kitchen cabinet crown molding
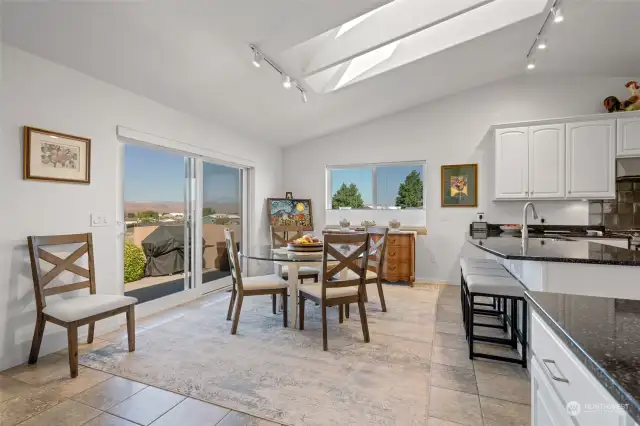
<point x="565" y="120"/>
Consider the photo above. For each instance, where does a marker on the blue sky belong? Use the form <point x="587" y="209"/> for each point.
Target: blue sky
<point x="389" y="179"/>
<point x="154" y="176"/>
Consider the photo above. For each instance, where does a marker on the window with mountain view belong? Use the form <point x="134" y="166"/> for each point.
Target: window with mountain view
<point x="379" y="186"/>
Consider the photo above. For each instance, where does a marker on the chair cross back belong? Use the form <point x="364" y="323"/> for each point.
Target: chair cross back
<point x="377" y="248"/>
<point x="356" y="260"/>
<point x="42" y="280"/>
<point x="234" y="263"/>
<point x="281" y="235"/>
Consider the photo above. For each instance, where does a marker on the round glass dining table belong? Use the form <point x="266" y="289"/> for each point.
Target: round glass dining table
<point x="294" y="261"/>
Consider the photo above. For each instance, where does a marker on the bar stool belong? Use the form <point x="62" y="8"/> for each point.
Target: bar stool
<point x="480" y="266"/>
<point x="509" y="290"/>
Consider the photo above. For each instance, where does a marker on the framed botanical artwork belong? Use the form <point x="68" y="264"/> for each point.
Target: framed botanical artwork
<point x="292" y="212"/>
<point x="459" y="185"/>
<point x="57" y="157"/>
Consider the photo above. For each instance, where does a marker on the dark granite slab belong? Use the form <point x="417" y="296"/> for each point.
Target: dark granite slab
<point x="604" y="334"/>
<point x="553" y="249"/>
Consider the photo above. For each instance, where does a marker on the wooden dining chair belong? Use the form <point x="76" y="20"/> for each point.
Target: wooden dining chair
<point x="251" y="286"/>
<point x="281" y="235"/>
<point x="377" y="252"/>
<point x="74" y="312"/>
<point x="337" y="292"/>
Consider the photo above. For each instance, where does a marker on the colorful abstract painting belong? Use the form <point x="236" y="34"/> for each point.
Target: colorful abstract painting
<point x="293" y="212"/>
<point x="460" y="185"/>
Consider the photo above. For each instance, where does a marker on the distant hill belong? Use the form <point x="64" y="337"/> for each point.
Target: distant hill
<point x="174" y="207"/>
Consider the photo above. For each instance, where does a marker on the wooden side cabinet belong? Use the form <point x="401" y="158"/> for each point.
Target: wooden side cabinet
<point x="399" y="264"/>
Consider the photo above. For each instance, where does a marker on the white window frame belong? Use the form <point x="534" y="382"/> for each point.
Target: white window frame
<point x="329" y="194"/>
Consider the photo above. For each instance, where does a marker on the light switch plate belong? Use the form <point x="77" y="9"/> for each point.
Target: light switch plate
<point x="99" y="219"/>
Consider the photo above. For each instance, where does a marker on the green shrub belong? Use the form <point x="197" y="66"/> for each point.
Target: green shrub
<point x="134" y="262"/>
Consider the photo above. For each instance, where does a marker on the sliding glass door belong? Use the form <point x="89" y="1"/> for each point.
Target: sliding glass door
<point x="222" y="208"/>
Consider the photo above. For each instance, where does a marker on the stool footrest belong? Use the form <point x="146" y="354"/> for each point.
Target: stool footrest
<point x="484" y="304"/>
<point x="487" y="312"/>
<point x="499" y="358"/>
<point x="480" y="324"/>
<point x="488" y="339"/>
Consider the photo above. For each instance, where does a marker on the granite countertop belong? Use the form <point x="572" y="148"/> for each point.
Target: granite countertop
<point x="604" y="334"/>
<point x="545" y="248"/>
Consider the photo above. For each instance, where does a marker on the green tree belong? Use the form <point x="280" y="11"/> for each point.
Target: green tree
<point x="206" y="211"/>
<point x="148" y="216"/>
<point x="347" y="196"/>
<point x="411" y="191"/>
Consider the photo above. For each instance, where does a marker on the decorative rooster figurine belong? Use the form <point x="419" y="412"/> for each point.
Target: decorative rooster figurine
<point x="613" y="104"/>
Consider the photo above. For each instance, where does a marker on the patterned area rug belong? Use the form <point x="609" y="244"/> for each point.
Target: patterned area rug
<point x="283" y="374"/>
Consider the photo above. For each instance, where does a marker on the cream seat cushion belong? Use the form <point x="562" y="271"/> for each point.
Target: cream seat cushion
<point x="353" y="276"/>
<point x="302" y="271"/>
<point x="82" y="307"/>
<point x="263" y="282"/>
<point x="499" y="286"/>
<point x="316" y="290"/>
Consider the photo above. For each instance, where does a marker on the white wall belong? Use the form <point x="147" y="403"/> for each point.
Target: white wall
<point x="40" y="93"/>
<point x="452" y="130"/>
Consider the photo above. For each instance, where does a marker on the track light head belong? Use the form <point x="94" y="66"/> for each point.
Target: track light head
<point x="257" y="59"/>
<point x="286" y="81"/>
<point x="531" y="64"/>
<point x="558" y="15"/>
<point x="304" y="96"/>
<point x="542" y="44"/>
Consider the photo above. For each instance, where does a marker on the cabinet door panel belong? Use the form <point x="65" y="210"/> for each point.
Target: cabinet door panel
<point x="629" y="137"/>
<point x="547" y="161"/>
<point x="591" y="159"/>
<point x="546" y="407"/>
<point x="512" y="163"/>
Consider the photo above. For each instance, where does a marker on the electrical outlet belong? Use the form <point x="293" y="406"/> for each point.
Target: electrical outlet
<point x="99" y="219"/>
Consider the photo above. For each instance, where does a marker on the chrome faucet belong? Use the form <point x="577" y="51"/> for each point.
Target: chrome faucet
<point x="525" y="229"/>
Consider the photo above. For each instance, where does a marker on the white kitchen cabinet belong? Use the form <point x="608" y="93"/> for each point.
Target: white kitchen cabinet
<point x="512" y="158"/>
<point x="546" y="408"/>
<point x="547" y="161"/>
<point x="590" y="159"/>
<point x="628" y="137"/>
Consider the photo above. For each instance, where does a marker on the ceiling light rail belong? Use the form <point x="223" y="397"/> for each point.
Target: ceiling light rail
<point x="541" y="43"/>
<point x="259" y="58"/>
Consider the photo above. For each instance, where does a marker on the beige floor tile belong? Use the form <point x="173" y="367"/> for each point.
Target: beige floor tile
<point x="454" y="357"/>
<point x="448" y="313"/>
<point x="106" y="419"/>
<point x="510" y="388"/>
<point x="432" y="421"/>
<point x="66" y="387"/>
<point x="453" y="341"/>
<point x="451" y="300"/>
<point x="10" y="388"/>
<point x="147" y="405"/>
<point x="84" y="348"/>
<point x="499" y="367"/>
<point x="454" y="406"/>
<point x="193" y="413"/>
<point x="455" y="378"/>
<point x="497" y="412"/>
<point x="450" y="290"/>
<point x="67" y="413"/>
<point x="235" y="418"/>
<point x="109" y="393"/>
<point x="47" y="368"/>
<point x="450" y="327"/>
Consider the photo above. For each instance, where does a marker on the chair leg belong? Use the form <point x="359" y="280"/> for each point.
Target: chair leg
<point x="236" y="315"/>
<point x="514" y="323"/>
<point x="301" y="301"/>
<point x="381" y="295"/>
<point x="364" y="292"/>
<point x="525" y="315"/>
<point x="38" y="333"/>
<point x="72" y="337"/>
<point x="325" y="344"/>
<point x="346" y="310"/>
<point x="231" y="302"/>
<point x="273" y="303"/>
<point x="340" y="314"/>
<point x="92" y="327"/>
<point x="285" y="310"/>
<point x="363" y="320"/>
<point x="131" y="328"/>
<point x="470" y="320"/>
<point x="315" y="278"/>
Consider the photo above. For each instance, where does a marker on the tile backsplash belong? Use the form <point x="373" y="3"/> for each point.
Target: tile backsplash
<point x="621" y="213"/>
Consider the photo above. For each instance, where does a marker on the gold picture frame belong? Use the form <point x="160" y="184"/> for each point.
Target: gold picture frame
<point x="459" y="185"/>
<point x="55" y="157"/>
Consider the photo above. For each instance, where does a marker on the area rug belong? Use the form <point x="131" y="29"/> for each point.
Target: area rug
<point x="282" y="374"/>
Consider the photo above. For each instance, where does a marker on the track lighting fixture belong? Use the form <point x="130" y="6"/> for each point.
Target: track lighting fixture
<point x="304" y="96"/>
<point x="257" y="59"/>
<point x="286" y="81"/>
<point x="558" y="16"/>
<point x="531" y="64"/>
<point x="542" y="44"/>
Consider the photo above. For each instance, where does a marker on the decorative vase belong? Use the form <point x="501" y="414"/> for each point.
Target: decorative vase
<point x="367" y="223"/>
<point x="344" y="224"/>
<point x="394" y="224"/>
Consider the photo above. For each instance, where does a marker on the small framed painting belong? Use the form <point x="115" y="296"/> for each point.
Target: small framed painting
<point x="460" y="185"/>
<point x="57" y="157"/>
<point x="290" y="212"/>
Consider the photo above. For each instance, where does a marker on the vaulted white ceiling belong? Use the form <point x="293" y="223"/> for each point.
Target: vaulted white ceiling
<point x="193" y="55"/>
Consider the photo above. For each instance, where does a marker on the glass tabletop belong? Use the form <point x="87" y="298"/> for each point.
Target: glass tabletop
<point x="267" y="252"/>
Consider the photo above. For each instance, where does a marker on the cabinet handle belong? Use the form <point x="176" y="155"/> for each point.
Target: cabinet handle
<point x="545" y="362"/>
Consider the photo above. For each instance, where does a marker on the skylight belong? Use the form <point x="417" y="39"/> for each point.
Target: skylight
<point x="352" y="23"/>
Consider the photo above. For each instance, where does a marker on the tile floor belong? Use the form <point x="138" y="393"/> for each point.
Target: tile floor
<point x="463" y="392"/>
